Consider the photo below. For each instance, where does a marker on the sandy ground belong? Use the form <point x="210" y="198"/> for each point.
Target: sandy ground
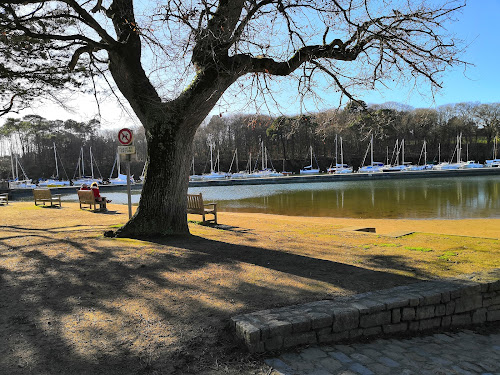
<point x="75" y="302"/>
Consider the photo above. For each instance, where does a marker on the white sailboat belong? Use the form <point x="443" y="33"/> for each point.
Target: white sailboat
<point x="265" y="170"/>
<point x="55" y="181"/>
<point x="120" y="179"/>
<point x="471" y="164"/>
<point x="339" y="167"/>
<point x="16" y="183"/>
<point x="82" y="179"/>
<point x="213" y="175"/>
<point x="374" y="166"/>
<point x="194" y="176"/>
<point x="421" y="167"/>
<point x="493" y="163"/>
<point x="448" y="165"/>
<point x="398" y="149"/>
<point x="309" y="168"/>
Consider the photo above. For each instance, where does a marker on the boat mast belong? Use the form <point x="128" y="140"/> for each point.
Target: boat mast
<point x="55" y="158"/>
<point x="17" y="168"/>
<point x="211" y="159"/>
<point x="371" y="147"/>
<point x="311" y="148"/>
<point x="425" y="152"/>
<point x="341" y="152"/>
<point x="336" y="154"/>
<point x="91" y="163"/>
<point x="403" y="152"/>
<point x="439" y="153"/>
<point x="12" y="165"/>
<point x="263" y="154"/>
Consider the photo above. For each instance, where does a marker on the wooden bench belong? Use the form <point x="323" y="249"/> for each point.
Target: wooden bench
<point x="45" y="196"/>
<point x="195" y="205"/>
<point x="4" y="198"/>
<point x="87" y="197"/>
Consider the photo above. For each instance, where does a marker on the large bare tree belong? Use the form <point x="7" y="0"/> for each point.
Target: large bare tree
<point x="173" y="61"/>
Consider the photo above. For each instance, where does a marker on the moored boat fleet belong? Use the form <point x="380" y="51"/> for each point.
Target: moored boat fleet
<point x="394" y="164"/>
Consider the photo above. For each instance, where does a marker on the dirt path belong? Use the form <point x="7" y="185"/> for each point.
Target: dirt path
<point x="74" y="302"/>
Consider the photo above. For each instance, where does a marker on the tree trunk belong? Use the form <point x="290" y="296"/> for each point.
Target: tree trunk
<point x="162" y="206"/>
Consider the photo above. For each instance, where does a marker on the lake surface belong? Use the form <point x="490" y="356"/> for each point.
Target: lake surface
<point x="443" y="198"/>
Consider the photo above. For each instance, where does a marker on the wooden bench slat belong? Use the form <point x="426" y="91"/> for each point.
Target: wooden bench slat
<point x="87" y="197"/>
<point x="45" y="196"/>
<point x="196" y="206"/>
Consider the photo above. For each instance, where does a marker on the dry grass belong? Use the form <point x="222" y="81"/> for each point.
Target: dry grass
<point x="72" y="301"/>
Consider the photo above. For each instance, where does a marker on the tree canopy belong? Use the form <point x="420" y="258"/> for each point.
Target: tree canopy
<point x="173" y="61"/>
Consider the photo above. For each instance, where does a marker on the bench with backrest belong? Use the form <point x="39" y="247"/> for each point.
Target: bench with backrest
<point x="4" y="198"/>
<point x="195" y="205"/>
<point x="45" y="196"/>
<point x="87" y="197"/>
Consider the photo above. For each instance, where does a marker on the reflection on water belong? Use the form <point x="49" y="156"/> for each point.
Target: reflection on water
<point x="447" y="198"/>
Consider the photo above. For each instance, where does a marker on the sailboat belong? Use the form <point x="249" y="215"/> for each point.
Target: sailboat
<point x="493" y="163"/>
<point x="194" y="176"/>
<point x="120" y="179"/>
<point x="471" y="164"/>
<point x="238" y="173"/>
<point x="16" y="183"/>
<point x="398" y="149"/>
<point x="309" y="169"/>
<point x="421" y="167"/>
<point x="374" y="166"/>
<point x="265" y="170"/>
<point x="339" y="168"/>
<point x="80" y="167"/>
<point x="55" y="181"/>
<point x="213" y="175"/>
<point x="451" y="166"/>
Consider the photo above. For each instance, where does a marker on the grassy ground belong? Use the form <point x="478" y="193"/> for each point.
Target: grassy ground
<point x="75" y="302"/>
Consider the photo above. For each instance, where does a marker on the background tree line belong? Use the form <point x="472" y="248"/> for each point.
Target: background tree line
<point x="287" y="138"/>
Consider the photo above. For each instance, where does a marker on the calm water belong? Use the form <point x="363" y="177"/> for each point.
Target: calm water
<point x="446" y="198"/>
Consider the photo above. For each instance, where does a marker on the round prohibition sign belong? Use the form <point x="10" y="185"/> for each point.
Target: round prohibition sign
<point x="125" y="136"/>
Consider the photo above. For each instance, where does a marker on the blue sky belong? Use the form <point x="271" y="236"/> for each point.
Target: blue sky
<point x="478" y="26"/>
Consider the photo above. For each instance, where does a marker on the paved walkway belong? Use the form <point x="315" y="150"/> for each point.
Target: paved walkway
<point x="464" y="352"/>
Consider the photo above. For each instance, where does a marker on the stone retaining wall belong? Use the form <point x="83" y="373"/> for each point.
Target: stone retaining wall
<point x="412" y="308"/>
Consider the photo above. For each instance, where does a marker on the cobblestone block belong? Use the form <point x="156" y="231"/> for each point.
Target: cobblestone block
<point x="493" y="316"/>
<point x="479" y="316"/>
<point x="429" y="324"/>
<point x="446" y="321"/>
<point x="248" y="332"/>
<point x="393" y="328"/>
<point x="279" y="328"/>
<point x="470" y="288"/>
<point x="372" y="331"/>
<point x="468" y="303"/>
<point x="396" y="316"/>
<point x="440" y="310"/>
<point x="461" y="320"/>
<point x="345" y="319"/>
<point x="300" y="323"/>
<point x="273" y="343"/>
<point x="320" y="320"/>
<point x="413" y="326"/>
<point x="408" y="313"/>
<point x="376" y="319"/>
<point x="431" y="297"/>
<point x="330" y="364"/>
<point x="368" y="306"/>
<point x="300" y="339"/>
<point x="450" y="307"/>
<point x="353" y="333"/>
<point x="425" y="312"/>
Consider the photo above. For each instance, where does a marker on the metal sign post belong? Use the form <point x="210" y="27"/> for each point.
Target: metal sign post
<point x="125" y="137"/>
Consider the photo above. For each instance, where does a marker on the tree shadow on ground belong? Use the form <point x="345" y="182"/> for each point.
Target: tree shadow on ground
<point x="78" y="305"/>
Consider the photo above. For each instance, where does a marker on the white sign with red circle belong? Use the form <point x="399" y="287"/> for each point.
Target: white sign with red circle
<point x="125" y="137"/>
